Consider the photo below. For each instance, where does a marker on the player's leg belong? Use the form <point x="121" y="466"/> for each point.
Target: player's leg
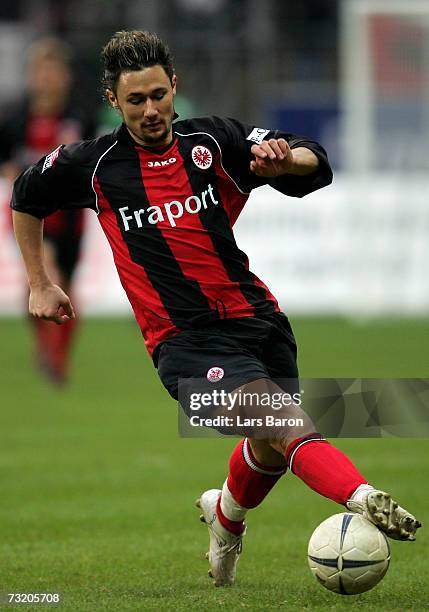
<point x="67" y="259"/>
<point x="322" y="466"/>
<point x="46" y="333"/>
<point x="65" y="336"/>
<point x="191" y="355"/>
<point x="254" y="469"/>
<point x="248" y="483"/>
<point x="329" y="472"/>
<point x="255" y="466"/>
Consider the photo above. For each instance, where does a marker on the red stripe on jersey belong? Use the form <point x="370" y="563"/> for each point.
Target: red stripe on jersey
<point x="189" y="241"/>
<point x="151" y="316"/>
<point x="270" y="296"/>
<point x="234" y="202"/>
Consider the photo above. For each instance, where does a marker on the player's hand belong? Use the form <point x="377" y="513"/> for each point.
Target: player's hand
<point x="273" y="158"/>
<point x="49" y="302"/>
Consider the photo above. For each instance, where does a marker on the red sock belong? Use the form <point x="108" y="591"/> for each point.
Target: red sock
<point x="45" y="338"/>
<point x="248" y="480"/>
<point x="63" y="343"/>
<point x="53" y="344"/>
<point x="248" y="483"/>
<point x="323" y="468"/>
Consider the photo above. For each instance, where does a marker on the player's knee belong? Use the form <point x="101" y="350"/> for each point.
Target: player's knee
<point x="265" y="454"/>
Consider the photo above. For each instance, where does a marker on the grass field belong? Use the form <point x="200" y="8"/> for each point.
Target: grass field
<point x="97" y="489"/>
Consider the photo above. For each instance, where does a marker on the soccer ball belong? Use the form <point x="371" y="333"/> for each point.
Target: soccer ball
<point x="348" y="554"/>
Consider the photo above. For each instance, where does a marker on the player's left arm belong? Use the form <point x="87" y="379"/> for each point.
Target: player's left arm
<point x="274" y="158"/>
<point x="294" y="165"/>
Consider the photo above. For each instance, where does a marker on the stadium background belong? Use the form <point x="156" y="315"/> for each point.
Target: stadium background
<point x="88" y="473"/>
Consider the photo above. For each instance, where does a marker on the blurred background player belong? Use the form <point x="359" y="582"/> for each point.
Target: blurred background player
<point x="46" y="117"/>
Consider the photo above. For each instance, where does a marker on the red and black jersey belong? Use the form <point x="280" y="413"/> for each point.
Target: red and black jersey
<point x="168" y="216"/>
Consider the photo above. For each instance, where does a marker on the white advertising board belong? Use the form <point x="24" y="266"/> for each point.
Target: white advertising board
<point x="358" y="247"/>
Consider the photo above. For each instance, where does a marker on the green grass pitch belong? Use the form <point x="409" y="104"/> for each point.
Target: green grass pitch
<point x="97" y="490"/>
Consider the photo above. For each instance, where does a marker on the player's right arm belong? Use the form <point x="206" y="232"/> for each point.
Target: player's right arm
<point x="47" y="301"/>
<point x="62" y="179"/>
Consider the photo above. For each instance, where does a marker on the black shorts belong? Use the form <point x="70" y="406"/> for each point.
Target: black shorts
<point x="242" y="350"/>
<point x="66" y="252"/>
<point x="64" y="230"/>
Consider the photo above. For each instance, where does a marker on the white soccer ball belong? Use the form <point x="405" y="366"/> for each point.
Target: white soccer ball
<point x="348" y="554"/>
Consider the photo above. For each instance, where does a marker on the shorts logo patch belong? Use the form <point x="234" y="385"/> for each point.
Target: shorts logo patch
<point x="257" y="135"/>
<point x="202" y="157"/>
<point x="50" y="159"/>
<point x="215" y="374"/>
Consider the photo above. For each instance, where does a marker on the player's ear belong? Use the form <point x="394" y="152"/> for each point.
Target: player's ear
<point x="173" y="83"/>
<point x="111" y="98"/>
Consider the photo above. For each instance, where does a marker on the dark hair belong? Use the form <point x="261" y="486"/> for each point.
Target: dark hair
<point x="133" y="50"/>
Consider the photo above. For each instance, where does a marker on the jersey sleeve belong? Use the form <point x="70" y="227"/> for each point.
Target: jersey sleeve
<point x="238" y="139"/>
<point x="61" y="179"/>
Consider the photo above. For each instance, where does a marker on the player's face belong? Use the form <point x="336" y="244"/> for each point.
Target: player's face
<point x="145" y="100"/>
